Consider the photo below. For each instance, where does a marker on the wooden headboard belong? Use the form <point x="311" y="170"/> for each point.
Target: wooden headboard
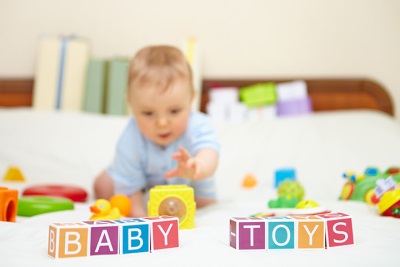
<point x="326" y="94"/>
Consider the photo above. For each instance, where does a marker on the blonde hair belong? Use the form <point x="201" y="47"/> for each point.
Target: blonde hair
<point x="158" y="66"/>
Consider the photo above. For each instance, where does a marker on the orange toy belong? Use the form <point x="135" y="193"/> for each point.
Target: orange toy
<point x="249" y="181"/>
<point x="123" y="203"/>
<point x="8" y="204"/>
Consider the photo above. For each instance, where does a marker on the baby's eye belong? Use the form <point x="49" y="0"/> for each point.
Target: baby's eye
<point x="175" y="111"/>
<point x="147" y="113"/>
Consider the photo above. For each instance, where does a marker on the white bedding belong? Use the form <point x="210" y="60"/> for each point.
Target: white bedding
<point x="71" y="148"/>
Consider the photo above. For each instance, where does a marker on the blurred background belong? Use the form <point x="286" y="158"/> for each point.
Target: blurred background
<point x="235" y="38"/>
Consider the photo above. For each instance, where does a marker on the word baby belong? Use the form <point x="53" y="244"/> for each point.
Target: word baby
<point x="106" y="237"/>
<point x="330" y="229"/>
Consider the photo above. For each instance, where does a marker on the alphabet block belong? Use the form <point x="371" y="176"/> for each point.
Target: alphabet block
<point x="281" y="232"/>
<point x="67" y="240"/>
<point x="247" y="233"/>
<point x="104" y="237"/>
<point x="135" y="236"/>
<point x="318" y="231"/>
<point x="164" y="232"/>
<point x="310" y="231"/>
<point x="111" y="237"/>
<point x="339" y="229"/>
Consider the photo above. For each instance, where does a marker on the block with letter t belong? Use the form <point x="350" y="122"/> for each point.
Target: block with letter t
<point x="247" y="233"/>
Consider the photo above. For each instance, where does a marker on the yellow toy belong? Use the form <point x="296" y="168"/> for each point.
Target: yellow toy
<point x="173" y="200"/>
<point x="8" y="204"/>
<point x="103" y="211"/>
<point x="14" y="174"/>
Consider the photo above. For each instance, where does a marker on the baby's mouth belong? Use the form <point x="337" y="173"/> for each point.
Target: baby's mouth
<point x="164" y="136"/>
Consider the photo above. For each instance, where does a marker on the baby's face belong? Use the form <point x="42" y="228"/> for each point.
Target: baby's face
<point x="162" y="116"/>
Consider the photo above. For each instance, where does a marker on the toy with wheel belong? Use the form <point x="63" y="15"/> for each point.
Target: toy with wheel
<point x="360" y="187"/>
<point x="173" y="200"/>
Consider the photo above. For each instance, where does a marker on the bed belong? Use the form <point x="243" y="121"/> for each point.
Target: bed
<point x="352" y="128"/>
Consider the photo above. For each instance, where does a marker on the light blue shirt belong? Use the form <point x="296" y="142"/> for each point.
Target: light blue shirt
<point x="141" y="164"/>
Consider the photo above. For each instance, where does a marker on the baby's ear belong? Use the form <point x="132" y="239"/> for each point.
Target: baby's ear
<point x="194" y="94"/>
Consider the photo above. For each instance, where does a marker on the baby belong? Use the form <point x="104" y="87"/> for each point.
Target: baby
<point x="164" y="142"/>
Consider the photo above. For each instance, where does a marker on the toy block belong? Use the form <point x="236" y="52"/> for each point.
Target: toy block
<point x="68" y="240"/>
<point x="14" y="174"/>
<point x="104" y="237"/>
<point x="281" y="232"/>
<point x="247" y="233"/>
<point x="8" y="204"/>
<point x="164" y="232"/>
<point x="339" y="229"/>
<point x="310" y="231"/>
<point x="173" y="200"/>
<point x="134" y="236"/>
<point x="284" y="174"/>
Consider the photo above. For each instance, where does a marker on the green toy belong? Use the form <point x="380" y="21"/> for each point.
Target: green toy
<point x="258" y="94"/>
<point x="283" y="202"/>
<point x="291" y="188"/>
<point x="360" y="187"/>
<point x="290" y="193"/>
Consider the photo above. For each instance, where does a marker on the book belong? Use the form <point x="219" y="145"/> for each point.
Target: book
<point x="60" y="73"/>
<point x="95" y="86"/>
<point x="46" y="75"/>
<point x="117" y="84"/>
<point x="191" y="50"/>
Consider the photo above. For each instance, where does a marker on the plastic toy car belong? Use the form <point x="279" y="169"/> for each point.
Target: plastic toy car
<point x="361" y="187"/>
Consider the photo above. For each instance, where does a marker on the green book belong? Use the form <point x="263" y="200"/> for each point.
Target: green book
<point x="95" y="86"/>
<point x="116" y="86"/>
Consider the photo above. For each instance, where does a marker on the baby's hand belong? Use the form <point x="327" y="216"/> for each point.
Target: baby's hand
<point x="188" y="167"/>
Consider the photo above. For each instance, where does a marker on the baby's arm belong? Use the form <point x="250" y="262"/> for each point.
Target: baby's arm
<point x="104" y="188"/>
<point x="137" y="206"/>
<point x="201" y="166"/>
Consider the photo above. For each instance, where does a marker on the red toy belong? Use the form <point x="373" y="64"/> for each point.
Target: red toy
<point x="389" y="205"/>
<point x="74" y="193"/>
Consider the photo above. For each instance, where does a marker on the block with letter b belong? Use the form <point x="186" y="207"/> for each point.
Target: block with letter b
<point x="134" y="236"/>
<point x="67" y="240"/>
<point x="112" y="237"/>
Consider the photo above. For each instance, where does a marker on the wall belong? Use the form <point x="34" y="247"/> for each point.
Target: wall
<point x="239" y="38"/>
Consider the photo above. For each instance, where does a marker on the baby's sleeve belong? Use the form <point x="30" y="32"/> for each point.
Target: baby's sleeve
<point x="126" y="168"/>
<point x="202" y="134"/>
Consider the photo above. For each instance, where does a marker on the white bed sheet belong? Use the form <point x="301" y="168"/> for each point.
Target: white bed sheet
<point x="71" y="148"/>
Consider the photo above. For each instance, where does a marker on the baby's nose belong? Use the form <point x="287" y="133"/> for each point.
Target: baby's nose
<point x="161" y="121"/>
